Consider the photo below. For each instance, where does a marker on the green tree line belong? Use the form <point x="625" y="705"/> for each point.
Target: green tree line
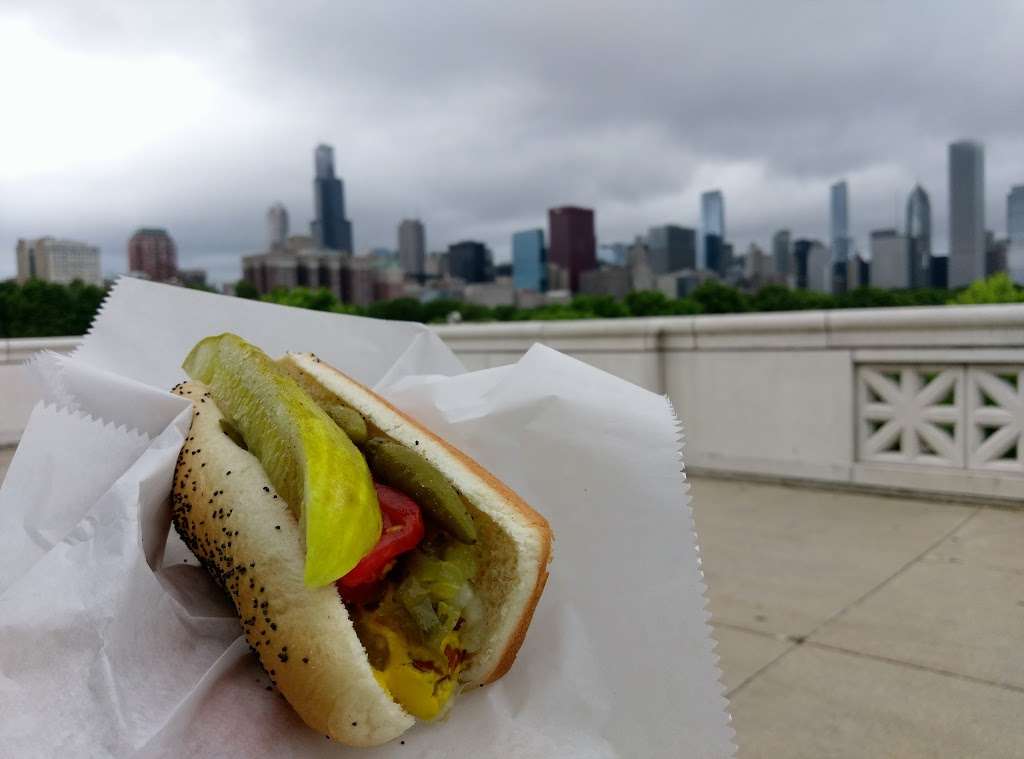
<point x="710" y="298"/>
<point x="43" y="309"/>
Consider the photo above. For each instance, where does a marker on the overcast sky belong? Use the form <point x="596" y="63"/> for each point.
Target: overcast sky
<point x="477" y="117"/>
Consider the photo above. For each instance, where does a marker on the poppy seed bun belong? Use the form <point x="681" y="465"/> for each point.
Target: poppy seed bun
<point x="229" y="515"/>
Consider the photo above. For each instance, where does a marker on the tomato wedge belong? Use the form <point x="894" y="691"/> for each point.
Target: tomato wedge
<point x="402" y="531"/>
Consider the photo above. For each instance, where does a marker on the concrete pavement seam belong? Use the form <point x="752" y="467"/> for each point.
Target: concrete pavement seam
<point x="799" y="640"/>
<point x="742" y="628"/>
<point x="757" y="673"/>
<point x="919" y="667"/>
<point x="872" y="591"/>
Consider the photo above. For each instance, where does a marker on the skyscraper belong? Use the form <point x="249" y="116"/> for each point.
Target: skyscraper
<point x="1015" y="233"/>
<point x="529" y="260"/>
<point x="470" y="260"/>
<point x="412" y="247"/>
<point x="782" y="250"/>
<point x="332" y="229"/>
<point x="966" y="212"/>
<point x="712" y="231"/>
<point x="839" y="224"/>
<point x="573" y="245"/>
<point x="919" y="235"/>
<point x="152" y="253"/>
<point x="277" y="226"/>
<point x="671" y="248"/>
<point x="839" y="221"/>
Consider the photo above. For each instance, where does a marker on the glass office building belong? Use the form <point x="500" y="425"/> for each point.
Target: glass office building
<point x="529" y="260"/>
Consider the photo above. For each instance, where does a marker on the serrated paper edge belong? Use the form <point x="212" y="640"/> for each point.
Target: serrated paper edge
<point x="78" y="414"/>
<point x="48" y="366"/>
<point x="98" y="315"/>
<point x="702" y="583"/>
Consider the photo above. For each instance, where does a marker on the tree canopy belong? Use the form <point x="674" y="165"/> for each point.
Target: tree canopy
<point x="44" y="309"/>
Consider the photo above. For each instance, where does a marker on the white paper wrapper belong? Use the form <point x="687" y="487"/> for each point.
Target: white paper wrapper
<point x="114" y="643"/>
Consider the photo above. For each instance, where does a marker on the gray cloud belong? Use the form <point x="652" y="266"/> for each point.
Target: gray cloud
<point x="478" y="118"/>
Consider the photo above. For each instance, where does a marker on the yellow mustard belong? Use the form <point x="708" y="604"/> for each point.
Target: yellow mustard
<point x="421" y="692"/>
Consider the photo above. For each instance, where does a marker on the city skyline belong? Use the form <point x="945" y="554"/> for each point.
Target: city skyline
<point x="490" y="150"/>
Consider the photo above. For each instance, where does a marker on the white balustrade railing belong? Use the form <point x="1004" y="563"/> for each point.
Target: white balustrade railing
<point x="914" y="400"/>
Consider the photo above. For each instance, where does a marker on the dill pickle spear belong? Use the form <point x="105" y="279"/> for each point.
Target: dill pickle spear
<point x="346" y="417"/>
<point x="405" y="470"/>
<point x="315" y="467"/>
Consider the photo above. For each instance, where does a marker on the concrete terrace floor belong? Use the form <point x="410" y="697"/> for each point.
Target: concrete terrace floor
<point x="854" y="625"/>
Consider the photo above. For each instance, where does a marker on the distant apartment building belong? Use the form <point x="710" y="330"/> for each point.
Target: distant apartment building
<point x="858" y="272"/>
<point x="681" y="284"/>
<point x="389" y="282"/>
<point x="491" y="294"/>
<point x="332" y="229"/>
<point x="302" y="264"/>
<point x="711" y="244"/>
<point x="966" y="212"/>
<point x="60" y="261"/>
<point x="470" y="261"/>
<point x="813" y="266"/>
<point x="358" y="281"/>
<point x="153" y="255"/>
<point x="436" y="264"/>
<point x="1015" y="234"/>
<point x="312" y="268"/>
<point x="758" y="267"/>
<point x="277" y="226"/>
<point x="890" y="260"/>
<point x="996" y="255"/>
<point x="638" y="263"/>
<point x="557" y="278"/>
<point x="671" y="248"/>
<point x="782" y="250"/>
<point x="529" y="260"/>
<point x="572" y="242"/>
<point x="608" y="280"/>
<point x="918" y="231"/>
<point x="412" y="247"/>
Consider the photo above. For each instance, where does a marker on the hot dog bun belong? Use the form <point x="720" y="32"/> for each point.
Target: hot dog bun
<point x="517" y="539"/>
<point x="229" y="515"/>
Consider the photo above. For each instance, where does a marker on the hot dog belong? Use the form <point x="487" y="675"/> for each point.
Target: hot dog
<point x="376" y="569"/>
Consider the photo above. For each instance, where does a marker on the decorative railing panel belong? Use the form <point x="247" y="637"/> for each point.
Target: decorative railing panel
<point x="995" y="411"/>
<point x="954" y="415"/>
